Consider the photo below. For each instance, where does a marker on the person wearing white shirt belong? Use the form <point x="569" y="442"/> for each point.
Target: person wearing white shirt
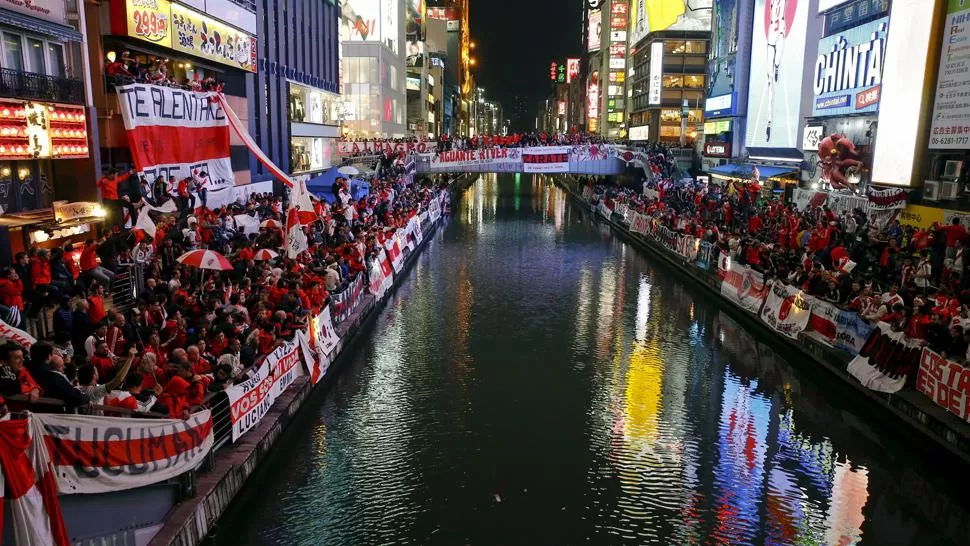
<point x="924" y="271"/>
<point x="891" y="298"/>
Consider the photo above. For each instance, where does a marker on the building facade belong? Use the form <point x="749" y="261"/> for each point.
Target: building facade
<point x="374" y="71"/>
<point x="294" y="99"/>
<point x="46" y="123"/>
<point x="668" y="87"/>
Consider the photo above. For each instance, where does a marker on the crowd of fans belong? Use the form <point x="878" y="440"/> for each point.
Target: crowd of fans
<point x="446" y="143"/>
<point x="915" y="279"/>
<point x="188" y="333"/>
<point x="154" y="70"/>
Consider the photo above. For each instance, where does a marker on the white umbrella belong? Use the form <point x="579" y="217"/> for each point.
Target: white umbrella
<point x="348" y="170"/>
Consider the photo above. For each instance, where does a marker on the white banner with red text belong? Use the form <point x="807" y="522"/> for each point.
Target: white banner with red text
<point x="16" y="335"/>
<point x="393" y="249"/>
<point x="250" y="400"/>
<point x="945" y="382"/>
<point x="380" y="275"/>
<point x="486" y="157"/>
<point x="744" y="287"/>
<point x="885" y="359"/>
<point x="98" y="454"/>
<point x="640" y="223"/>
<point x="386" y="146"/>
<point x="547" y="159"/>
<point x="787" y="309"/>
<point x="319" y="349"/>
<point x="174" y="132"/>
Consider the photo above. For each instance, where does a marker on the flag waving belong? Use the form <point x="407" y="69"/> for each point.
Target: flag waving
<point x="296" y="241"/>
<point x="29" y="484"/>
<point x="300" y="200"/>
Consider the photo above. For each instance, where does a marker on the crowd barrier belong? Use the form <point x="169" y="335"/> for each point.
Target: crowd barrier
<point x="882" y="359"/>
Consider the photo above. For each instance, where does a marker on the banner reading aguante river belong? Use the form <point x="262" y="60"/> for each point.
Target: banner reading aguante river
<point x="174" y="132"/>
<point x="97" y="454"/>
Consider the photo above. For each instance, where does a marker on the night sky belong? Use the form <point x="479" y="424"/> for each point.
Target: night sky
<point x="516" y="40"/>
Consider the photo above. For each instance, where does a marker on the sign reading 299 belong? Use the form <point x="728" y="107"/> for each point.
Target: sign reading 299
<point x="149" y="19"/>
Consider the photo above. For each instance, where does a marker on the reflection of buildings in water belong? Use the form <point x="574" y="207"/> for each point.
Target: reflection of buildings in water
<point x="850" y="492"/>
<point x="605" y="309"/>
<point x="584" y="310"/>
<point x="464" y="299"/>
<point x="739" y="471"/>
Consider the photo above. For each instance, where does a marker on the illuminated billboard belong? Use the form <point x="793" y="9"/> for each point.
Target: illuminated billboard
<point x="951" y="109"/>
<point x="593" y="97"/>
<point x="656" y="72"/>
<point x="722" y="68"/>
<point x="648" y="16"/>
<point x="595" y="30"/>
<point x="848" y="70"/>
<point x="370" y="21"/>
<point x="903" y="103"/>
<point x="572" y="70"/>
<point x="775" y="86"/>
<point x="414" y="28"/>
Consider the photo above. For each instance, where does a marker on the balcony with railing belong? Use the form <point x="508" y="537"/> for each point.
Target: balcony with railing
<point x="28" y="85"/>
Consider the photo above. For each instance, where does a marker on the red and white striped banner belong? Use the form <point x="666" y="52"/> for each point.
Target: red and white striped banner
<point x="174" y="132"/>
<point x="28" y="485"/>
<point x="243" y="133"/>
<point x="97" y="454"/>
<point x="394" y="253"/>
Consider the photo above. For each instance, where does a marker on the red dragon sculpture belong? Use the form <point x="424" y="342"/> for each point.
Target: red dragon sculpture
<point x="839" y="161"/>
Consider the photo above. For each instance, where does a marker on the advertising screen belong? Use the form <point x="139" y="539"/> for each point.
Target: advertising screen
<point x="370" y="21"/>
<point x="595" y="30"/>
<point x="572" y="70"/>
<point x="656" y="72"/>
<point x="721" y="69"/>
<point x="415" y="19"/>
<point x="848" y="70"/>
<point x="777" y="51"/>
<point x="648" y="16"/>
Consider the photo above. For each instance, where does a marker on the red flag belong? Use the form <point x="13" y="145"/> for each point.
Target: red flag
<point x="29" y="484"/>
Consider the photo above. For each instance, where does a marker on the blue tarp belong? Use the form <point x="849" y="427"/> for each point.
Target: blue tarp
<point x="744" y="171"/>
<point x="322" y="186"/>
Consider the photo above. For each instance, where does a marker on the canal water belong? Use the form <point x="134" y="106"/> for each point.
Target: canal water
<point x="537" y="381"/>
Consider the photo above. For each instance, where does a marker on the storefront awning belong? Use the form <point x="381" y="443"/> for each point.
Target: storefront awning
<point x="744" y="171"/>
<point x="39" y="26"/>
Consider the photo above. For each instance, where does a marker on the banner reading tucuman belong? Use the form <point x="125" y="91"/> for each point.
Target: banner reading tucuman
<point x="96" y="454"/>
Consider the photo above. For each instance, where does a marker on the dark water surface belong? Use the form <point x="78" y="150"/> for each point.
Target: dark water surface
<point x="537" y="381"/>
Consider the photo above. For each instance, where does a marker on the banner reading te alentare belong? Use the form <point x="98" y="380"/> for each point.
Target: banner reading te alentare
<point x="174" y="132"/>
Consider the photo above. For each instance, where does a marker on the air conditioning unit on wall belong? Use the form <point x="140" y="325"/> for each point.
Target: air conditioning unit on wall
<point x="931" y="190"/>
<point x="952" y="170"/>
<point x="949" y="189"/>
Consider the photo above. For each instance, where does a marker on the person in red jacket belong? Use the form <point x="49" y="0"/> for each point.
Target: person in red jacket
<point x="11" y="289"/>
<point x="184" y="390"/>
<point x="40" y="276"/>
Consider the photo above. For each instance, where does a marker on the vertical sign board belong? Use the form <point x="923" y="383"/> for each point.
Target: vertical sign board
<point x="950" y="128"/>
<point x="656" y="71"/>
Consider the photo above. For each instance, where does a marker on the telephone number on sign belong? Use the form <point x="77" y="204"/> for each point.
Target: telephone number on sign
<point x="947" y="140"/>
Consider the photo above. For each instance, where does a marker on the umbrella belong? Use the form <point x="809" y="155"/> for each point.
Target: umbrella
<point x="205" y="259"/>
<point x="271" y="224"/>
<point x="265" y="254"/>
<point x="348" y="170"/>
